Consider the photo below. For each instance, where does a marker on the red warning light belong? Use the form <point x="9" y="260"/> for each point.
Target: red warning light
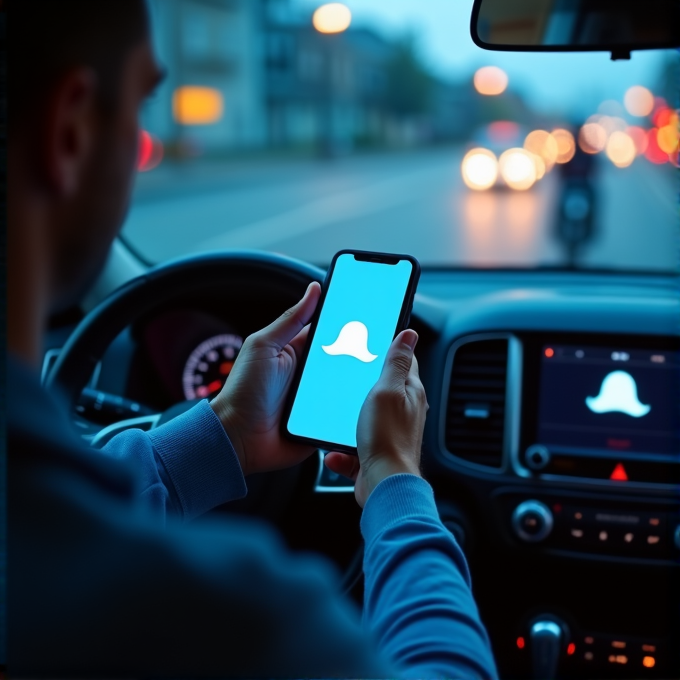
<point x="549" y="352"/>
<point x="571" y="648"/>
<point x="619" y="474"/>
<point x="520" y="643"/>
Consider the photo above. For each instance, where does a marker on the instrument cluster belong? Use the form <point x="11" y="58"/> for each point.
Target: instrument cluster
<point x="183" y="354"/>
<point x="209" y="366"/>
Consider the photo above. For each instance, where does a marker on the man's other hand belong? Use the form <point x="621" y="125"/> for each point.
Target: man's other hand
<point x="250" y="405"/>
<point x="391" y="423"/>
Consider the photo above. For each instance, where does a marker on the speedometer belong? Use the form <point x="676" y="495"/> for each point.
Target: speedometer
<point x="209" y="365"/>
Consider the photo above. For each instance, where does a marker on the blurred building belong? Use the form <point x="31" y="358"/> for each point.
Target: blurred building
<point x="353" y="89"/>
<point x="244" y="74"/>
<point x="455" y="109"/>
<point x="213" y="96"/>
<point x="324" y="89"/>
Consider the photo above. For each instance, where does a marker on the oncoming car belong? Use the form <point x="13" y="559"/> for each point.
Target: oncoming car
<point x="508" y="155"/>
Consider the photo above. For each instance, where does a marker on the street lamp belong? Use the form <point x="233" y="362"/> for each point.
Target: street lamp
<point x="332" y="18"/>
<point x="490" y="80"/>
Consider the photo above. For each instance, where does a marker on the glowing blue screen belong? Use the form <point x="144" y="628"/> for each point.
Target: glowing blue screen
<point x="355" y="329"/>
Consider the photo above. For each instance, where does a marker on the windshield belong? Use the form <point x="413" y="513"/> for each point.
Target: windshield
<point x="301" y="128"/>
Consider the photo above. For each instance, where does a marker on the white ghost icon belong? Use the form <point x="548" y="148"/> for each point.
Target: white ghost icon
<point x="618" y="393"/>
<point x="352" y="341"/>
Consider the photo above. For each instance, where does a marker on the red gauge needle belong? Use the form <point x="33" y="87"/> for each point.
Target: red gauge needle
<point x="225" y="367"/>
<point x="214" y="386"/>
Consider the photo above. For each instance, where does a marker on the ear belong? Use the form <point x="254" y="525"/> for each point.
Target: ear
<point x="70" y="131"/>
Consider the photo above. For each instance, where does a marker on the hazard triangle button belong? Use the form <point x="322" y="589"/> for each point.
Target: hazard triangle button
<point x="619" y="473"/>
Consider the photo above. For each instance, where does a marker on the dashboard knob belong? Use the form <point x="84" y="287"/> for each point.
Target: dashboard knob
<point x="537" y="457"/>
<point x="532" y="521"/>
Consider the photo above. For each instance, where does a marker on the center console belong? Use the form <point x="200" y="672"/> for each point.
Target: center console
<point x="571" y="443"/>
<point x="605" y="412"/>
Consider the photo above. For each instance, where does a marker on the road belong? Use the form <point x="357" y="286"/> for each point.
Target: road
<point x="412" y="202"/>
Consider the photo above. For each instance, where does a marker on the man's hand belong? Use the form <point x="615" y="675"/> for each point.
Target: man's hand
<point x="391" y="423"/>
<point x="250" y="405"/>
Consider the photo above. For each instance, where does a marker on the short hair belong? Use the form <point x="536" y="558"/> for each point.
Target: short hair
<point x="46" y="38"/>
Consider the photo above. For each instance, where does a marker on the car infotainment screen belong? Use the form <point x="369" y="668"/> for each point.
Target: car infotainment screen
<point x="595" y="399"/>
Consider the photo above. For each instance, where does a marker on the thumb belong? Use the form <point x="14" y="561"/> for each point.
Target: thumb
<point x="399" y="359"/>
<point x="280" y="332"/>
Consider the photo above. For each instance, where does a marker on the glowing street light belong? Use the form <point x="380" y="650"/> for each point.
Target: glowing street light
<point x="621" y="149"/>
<point x="566" y="146"/>
<point x="592" y="138"/>
<point x="333" y="17"/>
<point x="639" y="101"/>
<point x="490" y="80"/>
<point x="543" y="144"/>
<point x="639" y="137"/>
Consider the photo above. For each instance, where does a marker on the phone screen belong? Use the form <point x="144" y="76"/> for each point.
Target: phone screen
<point x="355" y="329"/>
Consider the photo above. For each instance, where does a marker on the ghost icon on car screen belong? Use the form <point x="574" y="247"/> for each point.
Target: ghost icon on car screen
<point x="618" y="393"/>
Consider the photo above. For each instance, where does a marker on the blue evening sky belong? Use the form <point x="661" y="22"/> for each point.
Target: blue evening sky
<point x="570" y="84"/>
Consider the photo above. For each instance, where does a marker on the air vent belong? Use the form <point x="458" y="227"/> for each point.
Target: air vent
<point x="475" y="413"/>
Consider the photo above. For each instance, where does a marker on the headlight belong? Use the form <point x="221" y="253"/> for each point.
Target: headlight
<point x="479" y="169"/>
<point x="518" y="168"/>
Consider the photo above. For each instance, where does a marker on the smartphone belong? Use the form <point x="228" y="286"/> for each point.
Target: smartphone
<point x="366" y="301"/>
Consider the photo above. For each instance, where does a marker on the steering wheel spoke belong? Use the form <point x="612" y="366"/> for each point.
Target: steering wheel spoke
<point x="102" y="437"/>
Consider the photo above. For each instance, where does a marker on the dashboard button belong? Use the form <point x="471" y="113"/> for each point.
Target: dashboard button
<point x="537" y="457"/>
<point x="532" y="521"/>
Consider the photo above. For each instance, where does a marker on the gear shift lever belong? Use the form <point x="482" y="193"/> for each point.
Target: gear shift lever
<point x="546" y="644"/>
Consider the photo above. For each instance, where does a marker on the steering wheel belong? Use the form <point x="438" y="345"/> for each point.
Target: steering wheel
<point x="258" y="272"/>
<point x="228" y="270"/>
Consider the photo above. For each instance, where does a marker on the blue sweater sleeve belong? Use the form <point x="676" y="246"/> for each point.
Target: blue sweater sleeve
<point x="185" y="467"/>
<point x="418" y="603"/>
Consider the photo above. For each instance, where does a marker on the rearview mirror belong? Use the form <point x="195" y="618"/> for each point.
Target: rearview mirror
<point x="618" y="26"/>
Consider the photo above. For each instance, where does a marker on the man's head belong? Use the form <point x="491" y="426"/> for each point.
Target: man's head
<point x="78" y="73"/>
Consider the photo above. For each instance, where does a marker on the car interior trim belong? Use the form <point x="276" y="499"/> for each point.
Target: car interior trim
<point x="512" y="389"/>
<point x="322" y="486"/>
<point x="145" y="423"/>
<point x="50" y="358"/>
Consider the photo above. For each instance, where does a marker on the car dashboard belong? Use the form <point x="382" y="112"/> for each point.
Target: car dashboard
<point x="552" y="444"/>
<point x="555" y="450"/>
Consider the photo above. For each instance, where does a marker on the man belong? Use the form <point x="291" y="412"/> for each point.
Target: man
<point x="105" y="576"/>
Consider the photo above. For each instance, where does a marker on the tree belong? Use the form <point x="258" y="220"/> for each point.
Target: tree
<point x="409" y="84"/>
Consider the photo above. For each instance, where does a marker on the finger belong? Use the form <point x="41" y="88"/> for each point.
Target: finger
<point x="298" y="342"/>
<point x="342" y="464"/>
<point x="413" y="383"/>
<point x="414" y="371"/>
<point x="399" y="359"/>
<point x="413" y="377"/>
<point x="280" y="332"/>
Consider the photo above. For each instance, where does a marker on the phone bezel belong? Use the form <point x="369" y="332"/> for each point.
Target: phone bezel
<point x="402" y="323"/>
